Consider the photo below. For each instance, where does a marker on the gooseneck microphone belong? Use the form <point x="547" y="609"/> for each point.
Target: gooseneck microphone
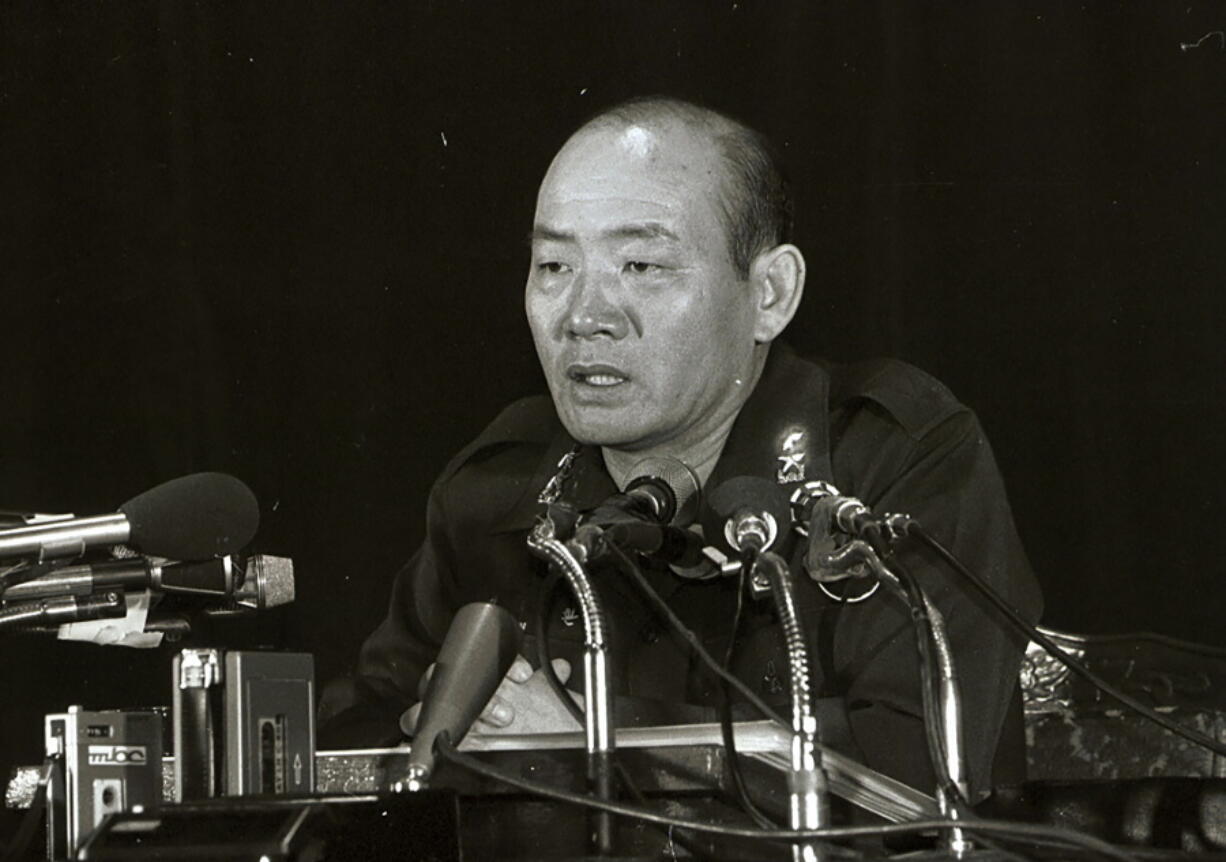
<point x="661" y="490"/>
<point x="752" y="512"/>
<point x="476" y="654"/>
<point x="661" y="499"/>
<point x="755" y="511"/>
<point x="819" y="509"/>
<point x="194" y="517"/>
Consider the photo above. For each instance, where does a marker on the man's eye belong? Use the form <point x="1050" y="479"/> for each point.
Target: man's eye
<point x="552" y="267"/>
<point x="640" y="267"/>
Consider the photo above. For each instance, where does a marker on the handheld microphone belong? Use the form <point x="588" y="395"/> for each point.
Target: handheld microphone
<point x="258" y="582"/>
<point x="476" y="654"/>
<point x="59" y="610"/>
<point x="190" y="518"/>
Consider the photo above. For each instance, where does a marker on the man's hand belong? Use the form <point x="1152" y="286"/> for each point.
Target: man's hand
<point x="523" y="703"/>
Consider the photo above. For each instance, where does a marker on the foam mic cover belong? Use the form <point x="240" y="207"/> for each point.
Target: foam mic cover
<point x="193" y="517"/>
<point x="476" y="654"/>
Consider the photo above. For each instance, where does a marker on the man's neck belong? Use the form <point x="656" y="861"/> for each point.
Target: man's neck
<point x="701" y="459"/>
<point x="700" y="455"/>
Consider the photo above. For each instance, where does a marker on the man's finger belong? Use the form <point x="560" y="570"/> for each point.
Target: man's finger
<point x="408" y="719"/>
<point x="497" y="712"/>
<point x="561" y="667"/>
<point x="520" y="670"/>
<point x="424" y="682"/>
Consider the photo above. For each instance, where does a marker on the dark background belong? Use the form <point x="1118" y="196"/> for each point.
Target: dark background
<point x="288" y="242"/>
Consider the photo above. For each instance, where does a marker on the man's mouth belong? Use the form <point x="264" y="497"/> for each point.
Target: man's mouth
<point x="596" y="375"/>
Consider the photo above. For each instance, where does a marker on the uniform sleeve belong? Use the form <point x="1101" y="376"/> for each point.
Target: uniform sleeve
<point x="364" y="709"/>
<point x="468" y="555"/>
<point x="942" y="472"/>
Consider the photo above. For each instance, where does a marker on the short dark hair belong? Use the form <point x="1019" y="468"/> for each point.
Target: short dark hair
<point x="756" y="199"/>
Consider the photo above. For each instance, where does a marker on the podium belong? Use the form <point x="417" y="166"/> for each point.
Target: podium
<point x="680" y="768"/>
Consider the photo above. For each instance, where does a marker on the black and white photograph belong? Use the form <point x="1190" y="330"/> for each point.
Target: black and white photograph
<point x="637" y="430"/>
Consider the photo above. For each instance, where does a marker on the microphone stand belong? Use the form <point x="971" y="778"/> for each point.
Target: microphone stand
<point x="598" y="711"/>
<point x="808" y="795"/>
<point x="949" y="702"/>
<point x="949" y="692"/>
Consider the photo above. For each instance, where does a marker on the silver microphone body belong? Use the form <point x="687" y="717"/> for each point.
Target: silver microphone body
<point x="65" y="538"/>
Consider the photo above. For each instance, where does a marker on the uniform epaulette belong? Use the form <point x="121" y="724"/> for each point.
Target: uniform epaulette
<point x="528" y="420"/>
<point x="916" y="400"/>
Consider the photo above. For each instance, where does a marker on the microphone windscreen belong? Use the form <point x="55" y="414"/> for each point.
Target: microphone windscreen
<point x="679" y="478"/>
<point x="476" y="654"/>
<point x="193" y="517"/>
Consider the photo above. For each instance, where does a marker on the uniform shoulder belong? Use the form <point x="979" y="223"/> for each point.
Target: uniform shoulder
<point x="529" y="423"/>
<point x="916" y="400"/>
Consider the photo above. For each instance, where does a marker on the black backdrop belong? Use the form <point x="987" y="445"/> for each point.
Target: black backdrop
<point x="287" y="242"/>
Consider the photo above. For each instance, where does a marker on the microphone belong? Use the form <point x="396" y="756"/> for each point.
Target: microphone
<point x="190" y="518"/>
<point x="673" y="545"/>
<point x="819" y="510"/>
<point x="476" y="654"/>
<point x="662" y="491"/>
<point x="63" y="609"/>
<point x="750" y="512"/>
<point x="649" y="517"/>
<point x="258" y="582"/>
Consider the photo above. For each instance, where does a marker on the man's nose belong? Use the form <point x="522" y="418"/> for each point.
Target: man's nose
<point x="593" y="312"/>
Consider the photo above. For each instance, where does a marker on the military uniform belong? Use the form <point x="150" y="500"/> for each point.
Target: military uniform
<point x="882" y="431"/>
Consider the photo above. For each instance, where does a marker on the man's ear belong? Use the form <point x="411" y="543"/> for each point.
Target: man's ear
<point x="778" y="278"/>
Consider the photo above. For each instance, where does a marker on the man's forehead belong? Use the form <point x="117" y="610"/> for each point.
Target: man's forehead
<point x="667" y="152"/>
<point x="653" y="173"/>
<point x="638" y="141"/>
<point x="630" y="230"/>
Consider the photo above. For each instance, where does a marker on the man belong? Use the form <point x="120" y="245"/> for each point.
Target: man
<point x="661" y="276"/>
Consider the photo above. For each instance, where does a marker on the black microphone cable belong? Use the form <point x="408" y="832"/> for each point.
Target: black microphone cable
<point x="1029" y="832"/>
<point x="545" y="662"/>
<point x="1004" y="829"/>
<point x="905" y="526"/>
<point x="1055" y="650"/>
<point x="690" y="638"/>
<point x="908" y="589"/>
<point x="739" y="785"/>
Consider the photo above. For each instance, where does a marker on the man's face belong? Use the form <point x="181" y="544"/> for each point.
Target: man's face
<point x="643" y="326"/>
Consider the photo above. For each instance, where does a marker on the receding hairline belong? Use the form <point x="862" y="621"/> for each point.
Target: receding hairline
<point x="750" y="189"/>
<point x="660" y="111"/>
<point x="663" y="115"/>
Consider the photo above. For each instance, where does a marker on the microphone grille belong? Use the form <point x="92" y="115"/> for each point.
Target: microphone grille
<point x="681" y="481"/>
<point x="268" y="582"/>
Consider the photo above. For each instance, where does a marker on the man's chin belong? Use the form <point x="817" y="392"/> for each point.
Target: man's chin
<point x="601" y="430"/>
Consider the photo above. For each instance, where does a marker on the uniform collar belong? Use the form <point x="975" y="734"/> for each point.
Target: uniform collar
<point x="782" y="433"/>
